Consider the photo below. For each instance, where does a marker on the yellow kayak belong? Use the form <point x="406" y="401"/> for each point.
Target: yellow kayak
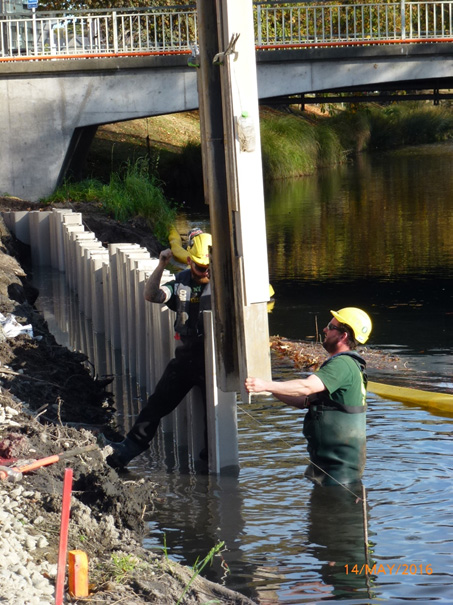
<point x="442" y="402"/>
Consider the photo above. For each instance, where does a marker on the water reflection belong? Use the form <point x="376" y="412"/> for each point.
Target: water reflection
<point x="377" y="232"/>
<point x="379" y="217"/>
<point x="190" y="525"/>
<point x="336" y="537"/>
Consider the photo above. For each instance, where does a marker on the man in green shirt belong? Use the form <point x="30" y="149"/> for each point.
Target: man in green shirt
<point x="335" y="424"/>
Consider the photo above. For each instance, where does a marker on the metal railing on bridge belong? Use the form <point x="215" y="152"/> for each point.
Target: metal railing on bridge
<point x="173" y="30"/>
<point x="99" y="33"/>
<point x="331" y="23"/>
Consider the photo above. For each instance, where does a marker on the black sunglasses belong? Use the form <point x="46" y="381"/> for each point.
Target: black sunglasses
<point x="200" y="268"/>
<point x="331" y="326"/>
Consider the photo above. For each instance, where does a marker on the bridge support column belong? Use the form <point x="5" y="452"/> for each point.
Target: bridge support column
<point x="78" y="148"/>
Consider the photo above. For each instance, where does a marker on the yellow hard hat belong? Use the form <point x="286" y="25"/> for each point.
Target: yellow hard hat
<point x="199" y="250"/>
<point x="356" y="319"/>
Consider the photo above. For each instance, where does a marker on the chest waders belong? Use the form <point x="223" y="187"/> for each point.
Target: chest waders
<point x="336" y="436"/>
<point x="189" y="315"/>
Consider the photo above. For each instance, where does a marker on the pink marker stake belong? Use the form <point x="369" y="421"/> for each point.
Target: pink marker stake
<point x="64" y="527"/>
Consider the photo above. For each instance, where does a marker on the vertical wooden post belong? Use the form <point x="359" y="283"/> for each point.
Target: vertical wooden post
<point x="216" y="195"/>
<point x="234" y="190"/>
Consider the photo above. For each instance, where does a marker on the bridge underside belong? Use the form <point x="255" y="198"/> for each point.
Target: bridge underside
<point x="51" y="112"/>
<point x="354" y="71"/>
<point x="51" y="109"/>
<point x="430" y="89"/>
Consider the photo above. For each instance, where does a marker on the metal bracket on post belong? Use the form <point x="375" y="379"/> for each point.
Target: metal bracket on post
<point x="194" y="59"/>
<point x="219" y="58"/>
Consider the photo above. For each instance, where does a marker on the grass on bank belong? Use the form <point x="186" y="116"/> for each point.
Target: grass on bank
<point x="138" y="172"/>
<point x="296" y="143"/>
<point x="135" y="191"/>
<point x="411" y="123"/>
<point x="293" y="145"/>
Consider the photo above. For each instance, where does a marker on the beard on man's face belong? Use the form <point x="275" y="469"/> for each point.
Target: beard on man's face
<point x="200" y="278"/>
<point x="330" y="343"/>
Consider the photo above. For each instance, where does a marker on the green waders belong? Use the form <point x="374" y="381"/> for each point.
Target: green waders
<point x="336" y="443"/>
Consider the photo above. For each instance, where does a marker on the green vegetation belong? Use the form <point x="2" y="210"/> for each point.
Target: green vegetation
<point x="409" y="123"/>
<point x="122" y="566"/>
<point x="289" y="147"/>
<point x="65" y="5"/>
<point x="132" y="192"/>
<point x="200" y="565"/>
<point x="294" y="146"/>
<point x="296" y="143"/>
<point x="352" y="127"/>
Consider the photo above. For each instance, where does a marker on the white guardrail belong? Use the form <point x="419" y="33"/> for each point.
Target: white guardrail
<point x="173" y="30"/>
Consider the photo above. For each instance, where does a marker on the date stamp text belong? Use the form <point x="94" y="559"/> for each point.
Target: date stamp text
<point x="404" y="569"/>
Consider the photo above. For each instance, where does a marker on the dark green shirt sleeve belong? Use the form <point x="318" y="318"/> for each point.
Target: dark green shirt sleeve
<point x="343" y="380"/>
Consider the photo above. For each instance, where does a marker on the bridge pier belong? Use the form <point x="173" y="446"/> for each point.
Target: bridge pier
<point x="51" y="111"/>
<point x="79" y="145"/>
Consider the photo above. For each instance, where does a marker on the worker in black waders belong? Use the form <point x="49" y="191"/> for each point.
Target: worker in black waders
<point x="335" y="396"/>
<point x="189" y="294"/>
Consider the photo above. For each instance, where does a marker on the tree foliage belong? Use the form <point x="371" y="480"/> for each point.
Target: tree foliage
<point x="68" y="5"/>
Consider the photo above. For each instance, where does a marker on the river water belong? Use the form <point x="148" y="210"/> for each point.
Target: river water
<point x="375" y="234"/>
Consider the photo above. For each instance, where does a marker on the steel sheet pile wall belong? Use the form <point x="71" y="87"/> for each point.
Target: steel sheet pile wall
<point x="109" y="284"/>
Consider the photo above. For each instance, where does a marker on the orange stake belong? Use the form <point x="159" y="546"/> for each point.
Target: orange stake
<point x="33" y="466"/>
<point x="65" y="507"/>
<point x="78" y="573"/>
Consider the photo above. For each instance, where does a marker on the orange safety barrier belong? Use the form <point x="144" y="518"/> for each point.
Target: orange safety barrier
<point x="97" y="55"/>
<point x="353" y="43"/>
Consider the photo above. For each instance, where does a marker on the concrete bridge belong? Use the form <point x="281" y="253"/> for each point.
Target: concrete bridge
<point x="51" y="109"/>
